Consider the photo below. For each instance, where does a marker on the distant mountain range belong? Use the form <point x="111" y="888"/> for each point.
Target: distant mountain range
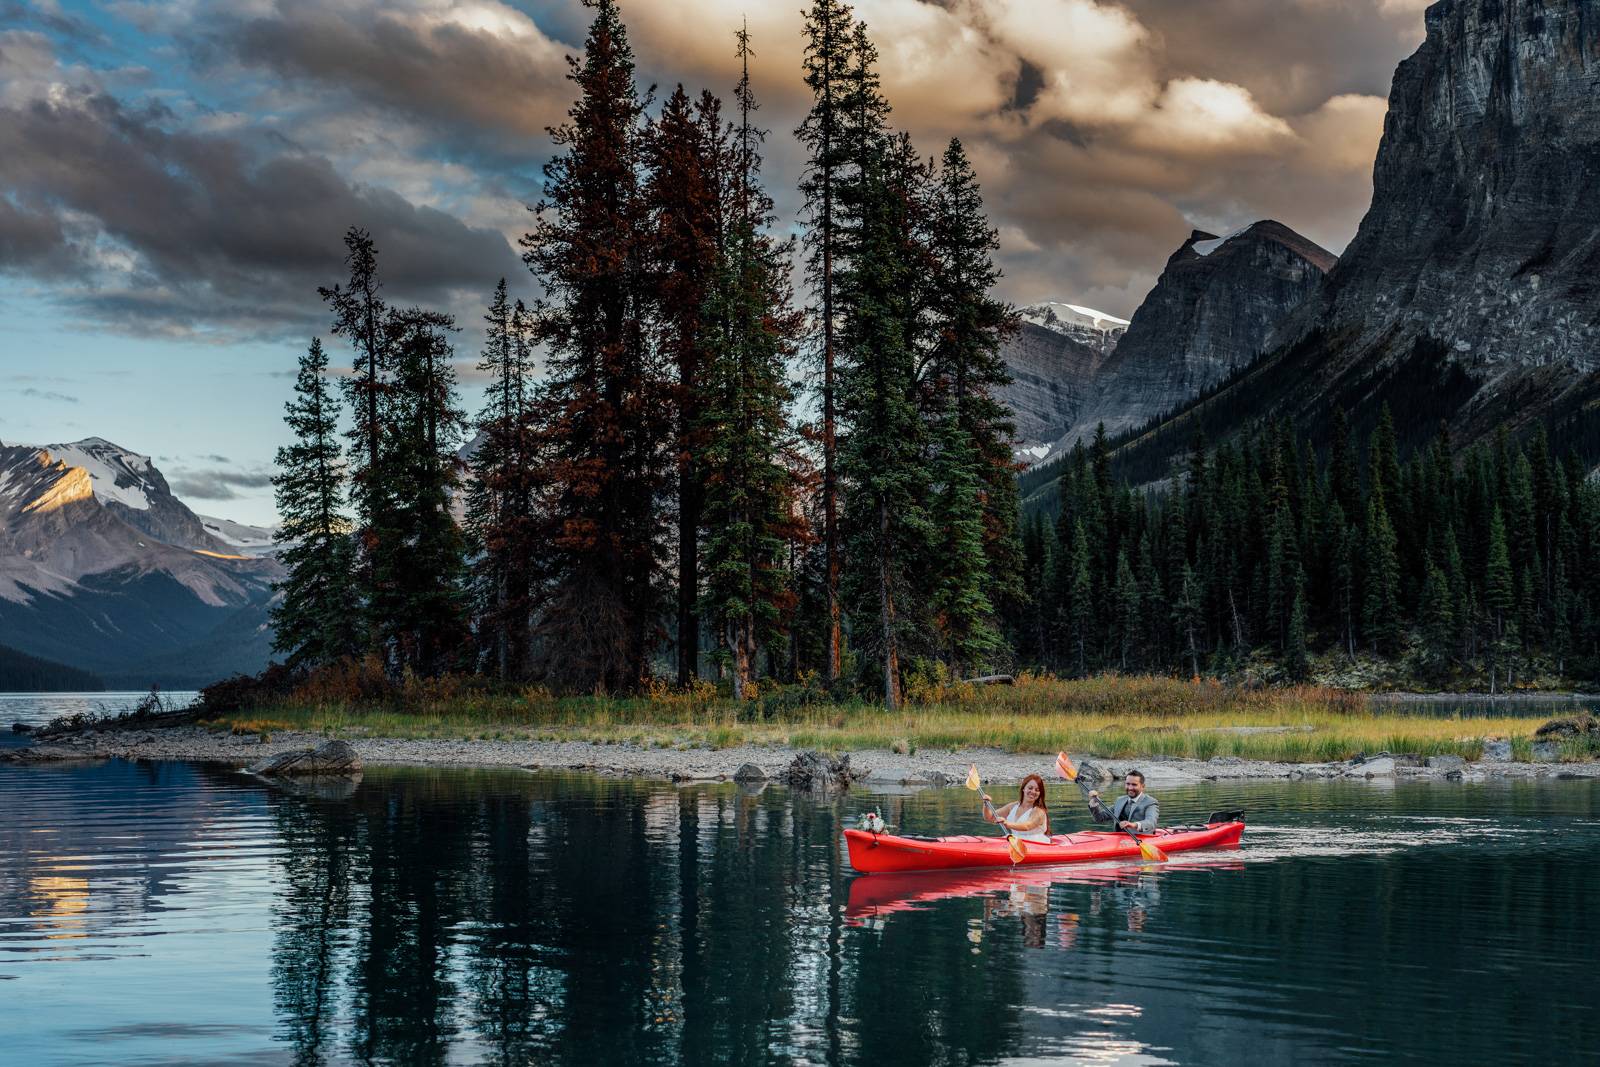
<point x="104" y="570"/>
<point x="1469" y="297"/>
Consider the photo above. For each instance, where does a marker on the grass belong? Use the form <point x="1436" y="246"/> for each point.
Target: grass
<point x="1108" y="716"/>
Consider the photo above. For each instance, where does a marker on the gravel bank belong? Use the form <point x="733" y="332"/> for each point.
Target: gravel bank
<point x="881" y="767"/>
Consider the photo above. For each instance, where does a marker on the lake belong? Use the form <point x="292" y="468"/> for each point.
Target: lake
<point x="178" y="913"/>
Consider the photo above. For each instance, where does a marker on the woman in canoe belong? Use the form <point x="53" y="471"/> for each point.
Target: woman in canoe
<point x="1028" y="817"/>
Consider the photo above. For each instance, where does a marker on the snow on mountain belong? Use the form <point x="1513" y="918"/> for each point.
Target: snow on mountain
<point x="1053" y="315"/>
<point x="117" y="474"/>
<point x="245" y="539"/>
<point x="102" y="567"/>
<point x="1205" y="248"/>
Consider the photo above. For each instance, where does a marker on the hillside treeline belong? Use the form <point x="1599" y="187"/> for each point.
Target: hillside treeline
<point x="1483" y="564"/>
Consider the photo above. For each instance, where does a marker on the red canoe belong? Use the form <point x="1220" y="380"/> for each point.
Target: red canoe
<point x="882" y="853"/>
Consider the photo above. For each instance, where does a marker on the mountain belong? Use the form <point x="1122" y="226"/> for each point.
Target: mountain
<point x="1053" y="359"/>
<point x="1471" y="292"/>
<point x="102" y="568"/>
<point x="1211" y="311"/>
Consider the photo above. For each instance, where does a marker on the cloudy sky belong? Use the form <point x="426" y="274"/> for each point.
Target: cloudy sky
<point x="175" y="176"/>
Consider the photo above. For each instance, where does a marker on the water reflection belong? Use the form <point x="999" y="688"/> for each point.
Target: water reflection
<point x="434" y="916"/>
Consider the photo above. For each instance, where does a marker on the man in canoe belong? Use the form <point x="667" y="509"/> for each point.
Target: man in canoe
<point x="1027" y="817"/>
<point x="1136" y="810"/>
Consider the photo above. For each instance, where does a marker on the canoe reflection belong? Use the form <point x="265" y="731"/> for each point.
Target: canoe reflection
<point x="1133" y="889"/>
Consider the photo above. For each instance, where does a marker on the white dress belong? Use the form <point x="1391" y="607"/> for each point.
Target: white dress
<point x="1018" y="814"/>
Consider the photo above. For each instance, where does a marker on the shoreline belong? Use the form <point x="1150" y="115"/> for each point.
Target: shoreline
<point x="875" y="767"/>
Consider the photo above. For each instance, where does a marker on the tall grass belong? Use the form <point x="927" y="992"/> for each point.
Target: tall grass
<point x="1109" y="716"/>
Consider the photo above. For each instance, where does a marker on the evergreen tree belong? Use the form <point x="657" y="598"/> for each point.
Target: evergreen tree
<point x="1127" y="596"/>
<point x="883" y="454"/>
<point x="1438" y="621"/>
<point x="362" y="318"/>
<point x="1296" y="662"/>
<point x="827" y="58"/>
<point x="420" y="602"/>
<point x="966" y="370"/>
<point x="1381" y="605"/>
<point x="501" y="496"/>
<point x="963" y="614"/>
<point x="750" y="505"/>
<point x="604" y="415"/>
<point x="1080" y="604"/>
<point x="316" y="619"/>
<point x="687" y="156"/>
<point x="1187" y="612"/>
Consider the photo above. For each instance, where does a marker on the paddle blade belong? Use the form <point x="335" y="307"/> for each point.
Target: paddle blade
<point x="1019" y="852"/>
<point x="1150" y="852"/>
<point x="1065" y="768"/>
<point x="973" y="783"/>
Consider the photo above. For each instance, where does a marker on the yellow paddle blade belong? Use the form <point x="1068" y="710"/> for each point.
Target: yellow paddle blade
<point x="1150" y="852"/>
<point x="973" y="783"/>
<point x="1065" y="768"/>
<point x="1019" y="852"/>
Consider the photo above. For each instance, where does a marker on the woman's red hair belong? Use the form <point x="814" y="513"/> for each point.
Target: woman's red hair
<point x="1041" y="805"/>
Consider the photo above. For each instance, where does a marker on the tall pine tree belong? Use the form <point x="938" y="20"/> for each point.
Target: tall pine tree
<point x="823" y="134"/>
<point x="750" y="503"/>
<point x="317" y="620"/>
<point x="604" y="416"/>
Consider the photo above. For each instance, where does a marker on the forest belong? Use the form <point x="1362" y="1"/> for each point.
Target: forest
<point x="683" y="471"/>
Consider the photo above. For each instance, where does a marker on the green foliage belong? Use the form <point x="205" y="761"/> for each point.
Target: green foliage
<point x="317" y="618"/>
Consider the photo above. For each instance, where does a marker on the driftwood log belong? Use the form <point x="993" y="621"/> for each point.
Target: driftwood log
<point x="992" y="679"/>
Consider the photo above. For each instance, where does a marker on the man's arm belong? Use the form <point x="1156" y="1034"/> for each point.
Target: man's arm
<point x="1096" y="809"/>
<point x="1152" y="814"/>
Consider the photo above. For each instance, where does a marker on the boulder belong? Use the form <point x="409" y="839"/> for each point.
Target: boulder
<point x="749" y="772"/>
<point x="1580" y="725"/>
<point x="1496" y="750"/>
<point x="1446" y="763"/>
<point x="1382" y="767"/>
<point x="336" y="759"/>
<point x="1547" y="750"/>
<point x="21" y="728"/>
<point x="939" y="779"/>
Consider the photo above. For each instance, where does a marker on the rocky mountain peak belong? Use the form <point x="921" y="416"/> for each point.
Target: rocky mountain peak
<point x="1211" y="311"/>
<point x="1469" y="293"/>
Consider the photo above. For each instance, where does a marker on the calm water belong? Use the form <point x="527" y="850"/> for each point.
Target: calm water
<point x="176" y="913"/>
<point x="36" y="709"/>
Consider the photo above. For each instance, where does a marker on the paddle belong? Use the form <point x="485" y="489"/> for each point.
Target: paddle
<point x="1019" y="852"/>
<point x="1146" y="849"/>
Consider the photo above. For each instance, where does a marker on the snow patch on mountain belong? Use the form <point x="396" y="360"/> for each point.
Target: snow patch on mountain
<point x="1205" y="248"/>
<point x="1055" y="315"/>
<point x="247" y="540"/>
<point x="118" y="475"/>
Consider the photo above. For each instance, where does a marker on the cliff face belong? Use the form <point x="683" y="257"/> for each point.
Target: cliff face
<point x="1052" y="368"/>
<point x="1471" y="292"/>
<point x="1212" y="311"/>
<point x="1484" y="230"/>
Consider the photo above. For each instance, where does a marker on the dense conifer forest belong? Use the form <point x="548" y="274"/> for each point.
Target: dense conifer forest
<point x="682" y="470"/>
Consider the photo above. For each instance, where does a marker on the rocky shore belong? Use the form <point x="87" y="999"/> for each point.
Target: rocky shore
<point x="871" y="768"/>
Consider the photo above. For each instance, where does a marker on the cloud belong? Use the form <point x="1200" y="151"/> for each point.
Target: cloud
<point x="47" y="394"/>
<point x="218" y="483"/>
<point x="1101" y="130"/>
<point x="478" y="67"/>
<point x="171" y="231"/>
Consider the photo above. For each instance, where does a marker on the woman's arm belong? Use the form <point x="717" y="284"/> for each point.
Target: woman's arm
<point x="996" y="815"/>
